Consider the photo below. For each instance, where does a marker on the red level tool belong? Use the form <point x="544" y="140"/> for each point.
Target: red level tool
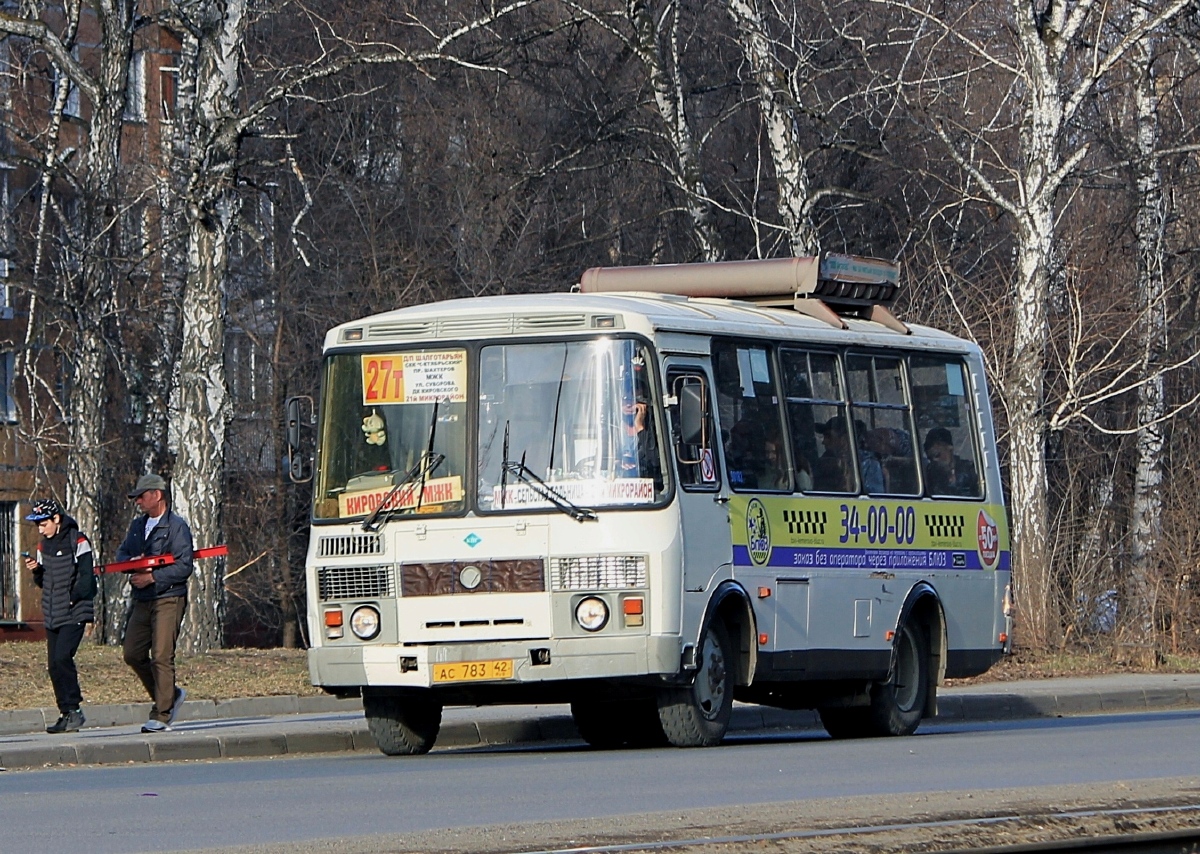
<point x="140" y="563"/>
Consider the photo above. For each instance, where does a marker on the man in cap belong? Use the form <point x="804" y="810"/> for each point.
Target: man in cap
<point x="159" y="598"/>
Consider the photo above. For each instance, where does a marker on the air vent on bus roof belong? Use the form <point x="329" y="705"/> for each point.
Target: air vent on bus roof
<point x="544" y="322"/>
<point x="401" y="329"/>
<point x="480" y="324"/>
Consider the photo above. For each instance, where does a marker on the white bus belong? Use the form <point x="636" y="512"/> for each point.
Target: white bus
<point x="670" y="488"/>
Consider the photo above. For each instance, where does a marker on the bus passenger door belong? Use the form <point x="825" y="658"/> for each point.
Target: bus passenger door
<point x="703" y="501"/>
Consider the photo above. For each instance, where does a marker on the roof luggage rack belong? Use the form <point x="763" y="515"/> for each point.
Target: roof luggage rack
<point x="827" y="289"/>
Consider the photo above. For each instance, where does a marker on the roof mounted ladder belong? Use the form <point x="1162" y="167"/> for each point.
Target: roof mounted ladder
<point x="826" y="289"/>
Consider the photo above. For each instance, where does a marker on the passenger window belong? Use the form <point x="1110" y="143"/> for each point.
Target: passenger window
<point x="882" y="425"/>
<point x="950" y="451"/>
<point x="817" y="415"/>
<point x="748" y="411"/>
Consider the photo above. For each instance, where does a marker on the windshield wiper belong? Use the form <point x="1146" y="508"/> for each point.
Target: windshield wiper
<point x="414" y="477"/>
<point x="524" y="474"/>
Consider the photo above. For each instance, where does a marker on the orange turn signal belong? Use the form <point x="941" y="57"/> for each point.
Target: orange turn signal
<point x="889" y="635"/>
<point x="333" y="618"/>
<point x="1004" y="637"/>
<point x="632" y="606"/>
<point x="763" y="638"/>
<point x="764" y="592"/>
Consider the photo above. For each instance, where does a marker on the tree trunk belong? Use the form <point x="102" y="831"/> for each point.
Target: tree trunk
<point x="200" y="428"/>
<point x="211" y="203"/>
<point x="786" y="152"/>
<point x="669" y="98"/>
<point x="1146" y="512"/>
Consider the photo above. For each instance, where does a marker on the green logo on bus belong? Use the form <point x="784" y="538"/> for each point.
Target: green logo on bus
<point x="758" y="532"/>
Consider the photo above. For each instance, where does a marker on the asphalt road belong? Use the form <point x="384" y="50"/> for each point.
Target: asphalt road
<point x="180" y="806"/>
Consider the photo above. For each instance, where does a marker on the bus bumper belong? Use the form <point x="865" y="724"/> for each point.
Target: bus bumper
<point x="568" y="659"/>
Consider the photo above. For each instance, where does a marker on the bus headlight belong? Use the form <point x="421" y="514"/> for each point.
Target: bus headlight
<point x="364" y="622"/>
<point x="591" y="614"/>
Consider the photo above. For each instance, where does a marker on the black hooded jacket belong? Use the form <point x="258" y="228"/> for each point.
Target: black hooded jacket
<point x="65" y="575"/>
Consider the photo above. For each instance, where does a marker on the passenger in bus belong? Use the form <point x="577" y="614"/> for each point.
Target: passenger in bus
<point x="640" y="454"/>
<point x="832" y="472"/>
<point x="947" y="473"/>
<point x="744" y="455"/>
<point x="886" y="459"/>
<point x="775" y="475"/>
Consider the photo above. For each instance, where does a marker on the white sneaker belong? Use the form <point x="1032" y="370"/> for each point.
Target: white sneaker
<point x="155" y="726"/>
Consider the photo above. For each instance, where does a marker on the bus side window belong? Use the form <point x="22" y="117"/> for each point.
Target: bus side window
<point x="816" y="413"/>
<point x="694" y="454"/>
<point x="751" y="428"/>
<point x="946" y="426"/>
<point x="883" y="430"/>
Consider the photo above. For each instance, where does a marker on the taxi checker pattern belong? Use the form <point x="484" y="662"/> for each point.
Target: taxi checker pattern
<point x="944" y="526"/>
<point x="806" y="521"/>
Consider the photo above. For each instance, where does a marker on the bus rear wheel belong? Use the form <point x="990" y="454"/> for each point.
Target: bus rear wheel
<point x="896" y="705"/>
<point x="697" y="715"/>
<point x="402" y="725"/>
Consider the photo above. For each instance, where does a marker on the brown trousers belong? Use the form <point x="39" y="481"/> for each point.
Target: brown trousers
<point x="150" y="637"/>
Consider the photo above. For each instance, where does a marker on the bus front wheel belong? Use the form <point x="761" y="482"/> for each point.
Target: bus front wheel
<point x="697" y="715"/>
<point x="402" y="725"/>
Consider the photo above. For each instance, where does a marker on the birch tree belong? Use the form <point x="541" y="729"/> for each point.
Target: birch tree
<point x="88" y="288"/>
<point x="776" y="105"/>
<point x="1150" y="227"/>
<point x="1060" y="52"/>
<point x="215" y="117"/>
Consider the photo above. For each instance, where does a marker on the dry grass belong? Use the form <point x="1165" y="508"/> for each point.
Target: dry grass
<point x="105" y="678"/>
<point x="1035" y="664"/>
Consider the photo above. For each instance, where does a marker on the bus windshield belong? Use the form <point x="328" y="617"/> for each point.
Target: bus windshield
<point x="580" y="415"/>
<point x="377" y="420"/>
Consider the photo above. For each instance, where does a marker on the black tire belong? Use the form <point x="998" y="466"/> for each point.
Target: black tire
<point x="897" y="704"/>
<point x="697" y="715"/>
<point x="404" y="725"/>
<point x="624" y="722"/>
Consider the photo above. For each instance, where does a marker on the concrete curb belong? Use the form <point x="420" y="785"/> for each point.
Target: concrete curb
<point x="287" y="726"/>
<point x="22" y="721"/>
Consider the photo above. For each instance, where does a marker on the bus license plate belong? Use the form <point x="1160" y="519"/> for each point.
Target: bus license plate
<point x="473" y="671"/>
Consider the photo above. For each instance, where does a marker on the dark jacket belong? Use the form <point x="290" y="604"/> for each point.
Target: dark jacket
<point x="64" y="571"/>
<point x="170" y="536"/>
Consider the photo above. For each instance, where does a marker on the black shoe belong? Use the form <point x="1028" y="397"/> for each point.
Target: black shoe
<point x="60" y="725"/>
<point x="75" y="720"/>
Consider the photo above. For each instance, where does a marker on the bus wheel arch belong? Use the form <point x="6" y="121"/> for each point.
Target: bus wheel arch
<point x="730" y="606"/>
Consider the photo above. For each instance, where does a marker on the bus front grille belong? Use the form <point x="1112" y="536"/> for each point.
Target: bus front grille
<point x="356" y="582"/>
<point x="350" y="545"/>
<point x="600" y="572"/>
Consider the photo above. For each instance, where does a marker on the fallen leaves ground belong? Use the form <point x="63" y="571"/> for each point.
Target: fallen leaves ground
<point x="105" y="678"/>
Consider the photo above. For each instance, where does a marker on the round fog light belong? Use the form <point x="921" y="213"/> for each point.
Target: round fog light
<point x="364" y="622"/>
<point x="591" y="614"/>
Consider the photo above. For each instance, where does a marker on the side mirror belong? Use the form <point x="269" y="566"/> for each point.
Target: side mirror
<point x="298" y="413"/>
<point x="691" y="413"/>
